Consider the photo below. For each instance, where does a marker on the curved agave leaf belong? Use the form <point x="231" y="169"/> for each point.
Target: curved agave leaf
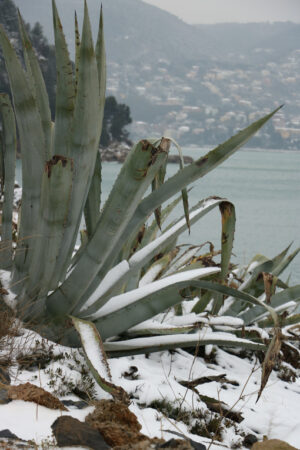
<point x="159" y="343"/>
<point x="110" y="284"/>
<point x="101" y="64"/>
<point x="33" y="148"/>
<point x="251" y="284"/>
<point x="65" y="90"/>
<point x="143" y="303"/>
<point x="284" y="322"/>
<point x="158" y="181"/>
<point x="55" y="203"/>
<point x="135" y="177"/>
<point x="149" y="234"/>
<point x="183" y="178"/>
<point x="9" y="147"/>
<point x="156" y="270"/>
<point x="37" y="83"/>
<point x="77" y="51"/>
<point x="126" y="310"/>
<point x="179" y="181"/>
<point x="184" y="193"/>
<point x="84" y="142"/>
<point x="96" y="358"/>
<point x="282" y="297"/>
<point x="92" y="205"/>
<point x="193" y="172"/>
<point x="228" y="229"/>
<point x="285" y="263"/>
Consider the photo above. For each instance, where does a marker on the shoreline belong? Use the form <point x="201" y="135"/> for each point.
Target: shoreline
<point x="118" y="151"/>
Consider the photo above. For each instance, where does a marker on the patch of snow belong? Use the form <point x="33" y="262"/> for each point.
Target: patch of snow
<point x="122" y="300"/>
<point x="10" y="298"/>
<point x="30" y="421"/>
<point x="108" y="281"/>
<point x="150" y="275"/>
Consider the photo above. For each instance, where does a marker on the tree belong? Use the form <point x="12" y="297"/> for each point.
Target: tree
<point x="116" y="118"/>
<point x="44" y="51"/>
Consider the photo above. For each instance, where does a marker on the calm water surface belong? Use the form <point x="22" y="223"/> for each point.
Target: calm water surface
<point x="264" y="186"/>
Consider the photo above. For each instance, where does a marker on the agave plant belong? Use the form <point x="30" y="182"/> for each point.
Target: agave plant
<point x="108" y="286"/>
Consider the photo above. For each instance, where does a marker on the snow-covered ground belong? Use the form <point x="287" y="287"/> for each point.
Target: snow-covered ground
<point x="157" y="377"/>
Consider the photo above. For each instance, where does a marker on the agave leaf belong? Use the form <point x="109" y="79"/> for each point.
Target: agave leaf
<point x="143" y="303"/>
<point x="32" y="143"/>
<point x="135" y="177"/>
<point x="96" y="358"/>
<point x="2" y="160"/>
<point x="84" y="144"/>
<point x="284" y="321"/>
<point x="37" y="83"/>
<point x="285" y="263"/>
<point x="252" y="284"/>
<point x="159" y="343"/>
<point x="55" y="202"/>
<point x="92" y="205"/>
<point x="126" y="310"/>
<point x="158" y="327"/>
<point x="186" y="176"/>
<point x="185" y="258"/>
<point x="65" y="90"/>
<point x="228" y="228"/>
<point x="202" y="303"/>
<point x="158" y="267"/>
<point x="153" y="330"/>
<point x="110" y="284"/>
<point x="101" y="64"/>
<point x="282" y="297"/>
<point x="150" y="232"/>
<point x="158" y="181"/>
<point x="77" y="51"/>
<point x="184" y="193"/>
<point x="9" y="147"/>
<point x="270" y="359"/>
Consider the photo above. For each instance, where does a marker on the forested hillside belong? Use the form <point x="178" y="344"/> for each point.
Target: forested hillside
<point x="116" y="117"/>
<point x="197" y="83"/>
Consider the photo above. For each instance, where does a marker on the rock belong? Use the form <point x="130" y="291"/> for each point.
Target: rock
<point x="272" y="444"/>
<point x="176" y="443"/>
<point x="76" y="404"/>
<point x="10" y="441"/>
<point x="4" y="376"/>
<point x="116" y="423"/>
<point x="4" y="399"/>
<point x="31" y="393"/>
<point x="249" y="440"/>
<point x="69" y="431"/>
<point x="8" y="434"/>
<point x="195" y="445"/>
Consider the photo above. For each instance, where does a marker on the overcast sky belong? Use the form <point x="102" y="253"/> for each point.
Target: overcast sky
<point x="213" y="11"/>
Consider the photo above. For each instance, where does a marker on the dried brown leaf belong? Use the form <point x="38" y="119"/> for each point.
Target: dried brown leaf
<point x="31" y="393"/>
<point x="270" y="359"/>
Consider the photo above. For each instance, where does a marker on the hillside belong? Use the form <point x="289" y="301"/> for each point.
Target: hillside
<point x="198" y="83"/>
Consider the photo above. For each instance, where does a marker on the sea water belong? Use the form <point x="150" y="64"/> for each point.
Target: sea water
<point x="264" y="186"/>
